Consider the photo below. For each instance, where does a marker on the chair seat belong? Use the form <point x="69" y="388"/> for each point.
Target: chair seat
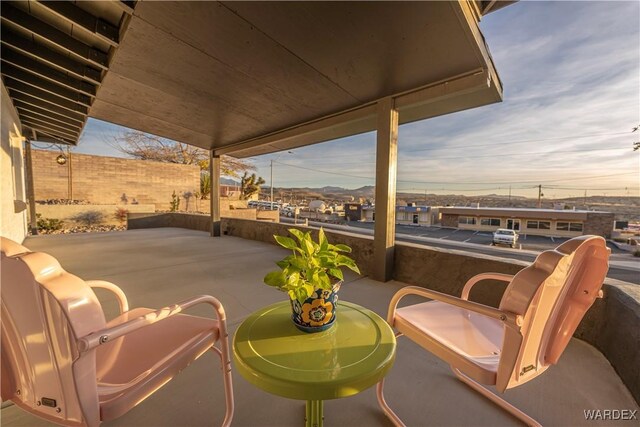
<point x="133" y="366"/>
<point x="464" y="339"/>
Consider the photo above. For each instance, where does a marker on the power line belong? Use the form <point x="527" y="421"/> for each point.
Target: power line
<point x="494" y="143"/>
<point x="521" y="141"/>
<point x="457" y="182"/>
<point x="482" y="156"/>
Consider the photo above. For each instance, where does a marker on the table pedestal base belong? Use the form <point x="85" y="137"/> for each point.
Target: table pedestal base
<point x="314" y="413"/>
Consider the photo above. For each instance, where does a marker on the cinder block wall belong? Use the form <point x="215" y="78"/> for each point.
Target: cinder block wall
<point x="104" y="180"/>
<point x="600" y="224"/>
<point x="449" y="220"/>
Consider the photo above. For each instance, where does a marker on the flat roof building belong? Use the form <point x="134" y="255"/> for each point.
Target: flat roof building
<point x="409" y="214"/>
<point x="543" y="222"/>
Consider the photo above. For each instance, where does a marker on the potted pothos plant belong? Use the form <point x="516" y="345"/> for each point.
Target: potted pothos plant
<point x="312" y="276"/>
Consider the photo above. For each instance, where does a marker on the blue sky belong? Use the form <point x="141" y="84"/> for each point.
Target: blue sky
<point x="571" y="77"/>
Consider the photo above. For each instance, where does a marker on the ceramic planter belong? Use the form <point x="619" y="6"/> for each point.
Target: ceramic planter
<point x="318" y="312"/>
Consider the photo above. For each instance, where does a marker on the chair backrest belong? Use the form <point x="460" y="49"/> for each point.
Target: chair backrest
<point x="44" y="311"/>
<point x="552" y="296"/>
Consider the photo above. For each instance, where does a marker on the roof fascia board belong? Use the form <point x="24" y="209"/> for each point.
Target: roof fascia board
<point x="29" y="110"/>
<point x="51" y="131"/>
<point x="47" y="86"/>
<point x="50" y="57"/>
<point x="50" y="124"/>
<point x="28" y="99"/>
<point x="35" y="109"/>
<point x="350" y="122"/>
<point x="36" y="67"/>
<point x="92" y="25"/>
<point x="46" y="96"/>
<point x="469" y="24"/>
<point x="75" y="47"/>
<point x="359" y="120"/>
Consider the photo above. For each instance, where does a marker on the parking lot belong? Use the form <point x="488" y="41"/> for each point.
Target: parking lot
<point x="526" y="242"/>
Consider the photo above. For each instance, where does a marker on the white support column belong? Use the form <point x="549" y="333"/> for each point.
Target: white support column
<point x="386" y="173"/>
<point x="214" y="193"/>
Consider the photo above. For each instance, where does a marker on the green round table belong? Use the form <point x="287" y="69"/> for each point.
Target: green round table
<point x="351" y="356"/>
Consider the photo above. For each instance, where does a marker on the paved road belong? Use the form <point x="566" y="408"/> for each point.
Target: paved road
<point x="623" y="266"/>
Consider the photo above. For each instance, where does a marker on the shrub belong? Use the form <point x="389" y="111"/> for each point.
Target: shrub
<point x="89" y="218"/>
<point x="48" y="224"/>
<point x="121" y="215"/>
<point x="174" y="204"/>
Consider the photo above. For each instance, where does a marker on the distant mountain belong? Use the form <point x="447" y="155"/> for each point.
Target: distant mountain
<point x="228" y="181"/>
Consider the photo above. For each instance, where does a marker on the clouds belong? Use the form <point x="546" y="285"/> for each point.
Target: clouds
<point x="571" y="76"/>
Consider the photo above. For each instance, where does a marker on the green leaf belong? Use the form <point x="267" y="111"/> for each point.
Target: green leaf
<point x="322" y="239"/>
<point x="297" y="233"/>
<point x="325" y="282"/>
<point x="286" y="242"/>
<point x="309" y="289"/>
<point x="301" y="294"/>
<point x="293" y="279"/>
<point x="275" y="278"/>
<point x="337" y="273"/>
<point x="307" y="244"/>
<point x="343" y="248"/>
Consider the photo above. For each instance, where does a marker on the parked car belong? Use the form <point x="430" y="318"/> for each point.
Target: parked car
<point x="504" y="236"/>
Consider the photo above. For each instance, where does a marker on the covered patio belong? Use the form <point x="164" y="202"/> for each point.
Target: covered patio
<point x="175" y="263"/>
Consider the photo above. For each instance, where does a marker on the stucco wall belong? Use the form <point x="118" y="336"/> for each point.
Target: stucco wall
<point x="13" y="219"/>
<point x="104" y="180"/>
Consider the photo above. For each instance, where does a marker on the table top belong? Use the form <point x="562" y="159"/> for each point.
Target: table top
<point x="351" y="356"/>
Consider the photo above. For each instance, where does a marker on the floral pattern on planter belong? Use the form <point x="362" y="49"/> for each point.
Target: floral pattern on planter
<point x="318" y="312"/>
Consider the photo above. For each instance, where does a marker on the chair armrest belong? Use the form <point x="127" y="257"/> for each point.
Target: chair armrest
<point x="122" y="298"/>
<point x="485" y="310"/>
<point x="483" y="276"/>
<point x="103" y="336"/>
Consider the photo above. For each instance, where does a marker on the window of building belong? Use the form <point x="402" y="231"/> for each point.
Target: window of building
<point x="466" y="220"/>
<point x="494" y="222"/>
<point x="575" y="226"/>
<point x="539" y="225"/>
<point x="569" y="226"/>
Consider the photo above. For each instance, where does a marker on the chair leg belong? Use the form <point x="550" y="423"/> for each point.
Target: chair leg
<point x="385" y="407"/>
<point x="496" y="399"/>
<point x="225" y="362"/>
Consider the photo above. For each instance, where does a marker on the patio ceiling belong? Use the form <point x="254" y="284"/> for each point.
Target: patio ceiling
<point x="243" y="78"/>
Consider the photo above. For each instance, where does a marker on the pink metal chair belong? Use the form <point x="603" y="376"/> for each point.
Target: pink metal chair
<point x="63" y="362"/>
<point x="514" y="343"/>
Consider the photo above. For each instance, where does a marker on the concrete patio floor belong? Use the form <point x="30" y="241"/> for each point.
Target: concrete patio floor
<point x="158" y="267"/>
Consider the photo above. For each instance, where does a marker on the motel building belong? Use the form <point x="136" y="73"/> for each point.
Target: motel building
<point x="411" y="214"/>
<point x="542" y="222"/>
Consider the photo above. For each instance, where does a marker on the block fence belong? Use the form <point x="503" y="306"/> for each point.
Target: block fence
<point x="111" y="180"/>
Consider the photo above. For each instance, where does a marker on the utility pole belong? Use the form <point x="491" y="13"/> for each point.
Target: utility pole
<point x="509" y="195"/>
<point x="585" y="199"/>
<point x="271" y="185"/>
<point x="540" y="196"/>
